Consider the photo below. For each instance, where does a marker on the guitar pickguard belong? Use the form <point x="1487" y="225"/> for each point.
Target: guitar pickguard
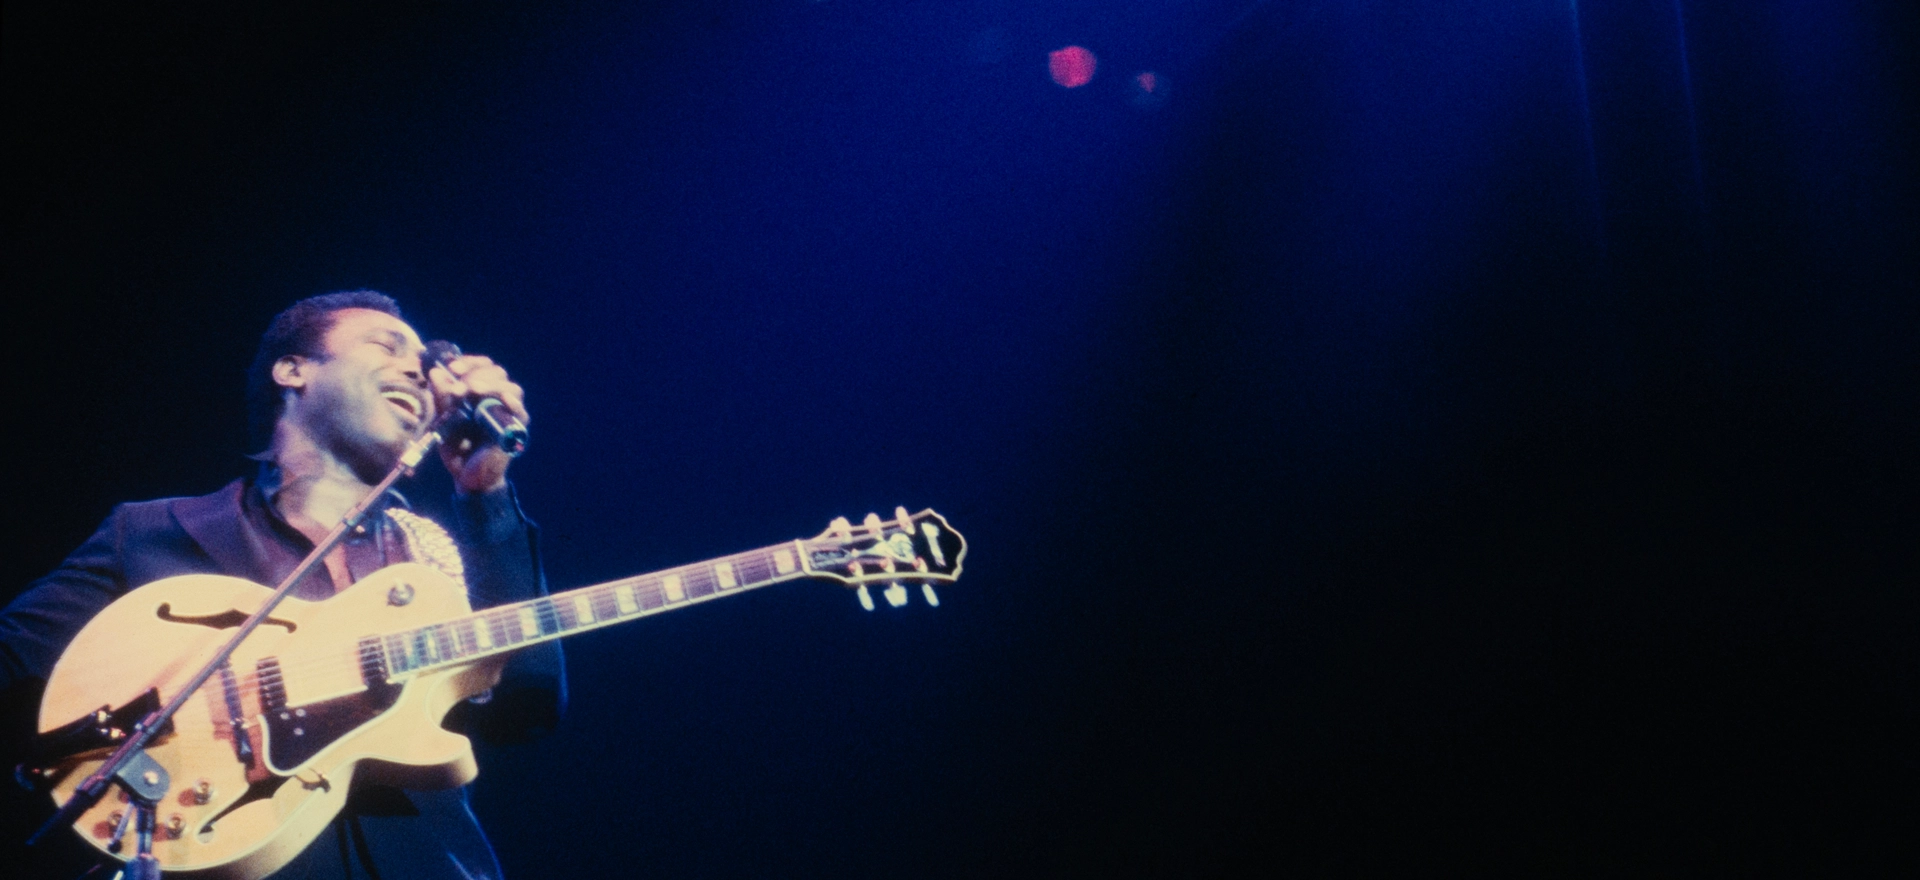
<point x="296" y="733"/>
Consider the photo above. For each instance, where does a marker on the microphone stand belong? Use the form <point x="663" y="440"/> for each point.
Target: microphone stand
<point x="145" y="780"/>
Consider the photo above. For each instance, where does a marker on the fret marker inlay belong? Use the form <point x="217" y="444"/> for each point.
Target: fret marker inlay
<point x="724" y="572"/>
<point x="671" y="583"/>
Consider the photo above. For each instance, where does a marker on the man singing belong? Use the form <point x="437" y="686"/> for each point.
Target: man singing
<point x="336" y="392"/>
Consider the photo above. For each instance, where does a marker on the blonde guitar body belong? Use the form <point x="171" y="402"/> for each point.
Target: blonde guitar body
<point x="260" y="758"/>
<point x="245" y="799"/>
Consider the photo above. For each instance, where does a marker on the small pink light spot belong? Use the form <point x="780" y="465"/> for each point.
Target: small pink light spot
<point x="1149" y="90"/>
<point x="1071" y="67"/>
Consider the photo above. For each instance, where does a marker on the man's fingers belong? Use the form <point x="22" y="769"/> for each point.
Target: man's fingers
<point x="444" y="381"/>
<point x="477" y="375"/>
<point x="488" y="379"/>
<point x="468" y="363"/>
<point x="446" y="388"/>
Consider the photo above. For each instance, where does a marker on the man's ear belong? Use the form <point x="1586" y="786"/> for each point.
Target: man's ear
<point x="290" y="372"/>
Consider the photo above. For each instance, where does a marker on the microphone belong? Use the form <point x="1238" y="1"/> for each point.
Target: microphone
<point x="486" y="416"/>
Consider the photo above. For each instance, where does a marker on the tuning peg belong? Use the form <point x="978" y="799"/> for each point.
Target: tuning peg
<point x="866" y="598"/>
<point x="872" y="524"/>
<point x="896" y="594"/>
<point x="906" y="522"/>
<point x="933" y="598"/>
<point x="933" y="542"/>
<point x="841" y="529"/>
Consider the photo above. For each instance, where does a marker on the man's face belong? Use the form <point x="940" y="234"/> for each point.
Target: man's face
<point x="366" y="399"/>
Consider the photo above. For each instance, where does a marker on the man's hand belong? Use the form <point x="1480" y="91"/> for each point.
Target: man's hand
<point x="476" y="466"/>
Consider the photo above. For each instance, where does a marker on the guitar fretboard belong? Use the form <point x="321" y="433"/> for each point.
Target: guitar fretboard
<point x="508" y="627"/>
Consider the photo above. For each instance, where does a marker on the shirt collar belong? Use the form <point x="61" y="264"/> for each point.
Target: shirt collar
<point x="267" y="481"/>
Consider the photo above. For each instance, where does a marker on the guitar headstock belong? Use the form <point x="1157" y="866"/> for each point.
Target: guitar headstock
<point x="909" y="548"/>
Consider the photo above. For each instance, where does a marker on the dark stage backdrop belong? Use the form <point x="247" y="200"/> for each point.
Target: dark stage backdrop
<point x="1393" y="436"/>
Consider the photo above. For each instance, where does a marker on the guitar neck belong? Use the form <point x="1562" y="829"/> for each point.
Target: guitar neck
<point x="506" y="628"/>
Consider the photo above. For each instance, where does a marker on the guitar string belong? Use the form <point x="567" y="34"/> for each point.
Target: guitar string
<point x="698" y="582"/>
<point x="751" y="569"/>
<point x="443" y="635"/>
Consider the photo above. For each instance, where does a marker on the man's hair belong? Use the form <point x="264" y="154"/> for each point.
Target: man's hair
<point x="300" y="330"/>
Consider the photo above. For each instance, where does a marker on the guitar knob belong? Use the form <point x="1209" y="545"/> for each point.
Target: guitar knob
<point x="926" y="592"/>
<point x="866" y="598"/>
<point x="896" y="594"/>
<point x="119" y="830"/>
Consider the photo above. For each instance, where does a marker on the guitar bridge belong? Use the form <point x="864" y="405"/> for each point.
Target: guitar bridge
<point x="236" y="716"/>
<point x="101" y="728"/>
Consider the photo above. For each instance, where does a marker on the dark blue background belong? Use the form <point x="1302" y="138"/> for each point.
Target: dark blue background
<point x="1472" y="435"/>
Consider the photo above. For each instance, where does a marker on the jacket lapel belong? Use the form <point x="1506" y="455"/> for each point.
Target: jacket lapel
<point x="213" y="522"/>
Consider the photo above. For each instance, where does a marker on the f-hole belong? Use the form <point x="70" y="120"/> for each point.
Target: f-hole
<point x="227" y="619"/>
<point x="256" y="791"/>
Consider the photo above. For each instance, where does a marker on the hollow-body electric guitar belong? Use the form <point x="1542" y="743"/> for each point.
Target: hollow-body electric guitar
<point x="260" y="759"/>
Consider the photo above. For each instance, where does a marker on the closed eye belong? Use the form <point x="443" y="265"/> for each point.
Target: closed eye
<point x="390" y="342"/>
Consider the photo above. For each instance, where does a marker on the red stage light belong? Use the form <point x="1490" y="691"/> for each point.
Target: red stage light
<point x="1071" y="67"/>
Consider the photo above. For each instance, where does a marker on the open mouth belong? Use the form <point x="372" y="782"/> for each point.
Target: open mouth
<point x="407" y="403"/>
